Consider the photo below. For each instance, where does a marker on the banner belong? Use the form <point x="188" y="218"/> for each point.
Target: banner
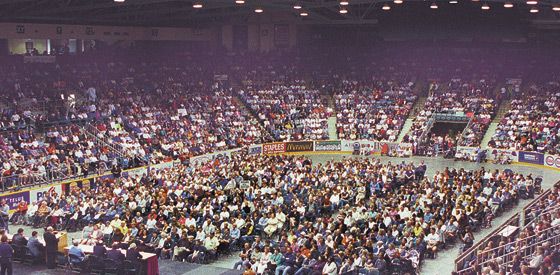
<point x="299" y="146"/>
<point x="38" y="194"/>
<point x="552" y="161"/>
<point x="255" y="149"/>
<point x="500" y="154"/>
<point x="161" y="166"/>
<point x="135" y="172"/>
<point x="208" y="157"/>
<point x="330" y="145"/>
<point x="531" y="157"/>
<point x="83" y="184"/>
<point x="364" y="146"/>
<point x="39" y="59"/>
<point x="274" y="148"/>
<point x="14" y="198"/>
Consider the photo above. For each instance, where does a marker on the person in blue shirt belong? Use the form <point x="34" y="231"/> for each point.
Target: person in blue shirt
<point x="75" y="250"/>
<point x="235" y="234"/>
<point x="6" y="254"/>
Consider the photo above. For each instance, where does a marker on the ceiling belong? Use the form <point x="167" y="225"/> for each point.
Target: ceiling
<point x="182" y="13"/>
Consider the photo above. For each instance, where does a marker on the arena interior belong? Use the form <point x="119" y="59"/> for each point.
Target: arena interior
<point x="285" y="137"/>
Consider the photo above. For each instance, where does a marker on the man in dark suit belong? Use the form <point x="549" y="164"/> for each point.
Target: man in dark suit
<point x="99" y="249"/>
<point x="134" y="256"/>
<point x="115" y="254"/>
<point x="6" y="255"/>
<point x="18" y="239"/>
<point x="52" y="246"/>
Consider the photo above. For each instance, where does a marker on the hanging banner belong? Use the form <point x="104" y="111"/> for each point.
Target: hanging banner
<point x="14" y="198"/>
<point x="531" y="157"/>
<point x="255" y="149"/>
<point x="274" y="148"/>
<point x="328" y="145"/>
<point x="299" y="146"/>
<point x="552" y="161"/>
<point x="40" y="193"/>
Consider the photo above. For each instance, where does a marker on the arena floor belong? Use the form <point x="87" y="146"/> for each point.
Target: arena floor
<point x="443" y="264"/>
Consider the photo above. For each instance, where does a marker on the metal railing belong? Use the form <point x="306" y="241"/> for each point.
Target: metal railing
<point x="103" y="140"/>
<point x="50" y="176"/>
<point x="521" y="221"/>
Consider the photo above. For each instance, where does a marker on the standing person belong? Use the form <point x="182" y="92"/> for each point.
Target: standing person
<point x="51" y="243"/>
<point x="4" y="214"/>
<point x="6" y="254"/>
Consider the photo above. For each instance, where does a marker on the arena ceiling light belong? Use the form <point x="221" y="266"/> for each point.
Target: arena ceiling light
<point x="485" y="7"/>
<point x="119" y="1"/>
<point x="386" y="7"/>
<point x="240" y="2"/>
<point x="453" y="2"/>
<point x="556" y="8"/>
<point x="534" y="10"/>
<point x="508" y="5"/>
<point x="259" y="10"/>
<point x="297" y="6"/>
<point x="303" y="13"/>
<point x="343" y="11"/>
<point x="398" y="1"/>
<point x="532" y="2"/>
<point x="433" y="6"/>
<point x="197" y="5"/>
<point x="344" y="3"/>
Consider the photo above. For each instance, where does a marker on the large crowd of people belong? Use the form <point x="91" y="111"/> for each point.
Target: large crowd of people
<point x="532" y="123"/>
<point x="373" y="111"/>
<point x="354" y="214"/>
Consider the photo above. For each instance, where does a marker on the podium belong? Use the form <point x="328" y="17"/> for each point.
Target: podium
<point x="62" y="238"/>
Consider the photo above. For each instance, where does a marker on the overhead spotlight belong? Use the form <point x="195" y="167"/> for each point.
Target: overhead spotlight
<point x="508" y="5"/>
<point x="453" y="2"/>
<point x="556" y="8"/>
<point x="119" y="1"/>
<point x="534" y="10"/>
<point x="304" y="13"/>
<point x="259" y="10"/>
<point x="386" y="7"/>
<point x="197" y="5"/>
<point x="344" y="3"/>
<point x="476" y="0"/>
<point x="343" y="11"/>
<point x="485" y="7"/>
<point x="433" y="6"/>
<point x="398" y="1"/>
<point x="297" y="6"/>
<point x="532" y="2"/>
<point x="240" y="2"/>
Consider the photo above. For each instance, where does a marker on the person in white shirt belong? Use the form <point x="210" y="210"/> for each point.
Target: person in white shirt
<point x="330" y="267"/>
<point x="432" y="240"/>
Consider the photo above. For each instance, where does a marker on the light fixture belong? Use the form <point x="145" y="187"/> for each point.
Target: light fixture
<point x="259" y="10"/>
<point x="343" y="11"/>
<point x="119" y="1"/>
<point x="453" y="2"/>
<point x="534" y="10"/>
<point x="398" y="1"/>
<point x="297" y="6"/>
<point x="240" y="2"/>
<point x="508" y="5"/>
<point x="197" y="5"/>
<point x="304" y="13"/>
<point x="476" y="0"/>
<point x="386" y="7"/>
<point x="433" y="6"/>
<point x="556" y="8"/>
<point x="532" y="2"/>
<point x="344" y="3"/>
<point x="485" y="7"/>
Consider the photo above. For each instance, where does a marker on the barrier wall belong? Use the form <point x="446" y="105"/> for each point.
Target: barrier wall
<point x="522" y="157"/>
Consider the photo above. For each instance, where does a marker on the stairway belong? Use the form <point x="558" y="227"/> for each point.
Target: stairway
<point x="333" y="135"/>
<point x="405" y="129"/>
<point x="502" y="111"/>
<point x="246" y="110"/>
<point x="418" y="106"/>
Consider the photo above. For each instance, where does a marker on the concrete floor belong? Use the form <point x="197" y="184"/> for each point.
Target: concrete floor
<point x="442" y="265"/>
